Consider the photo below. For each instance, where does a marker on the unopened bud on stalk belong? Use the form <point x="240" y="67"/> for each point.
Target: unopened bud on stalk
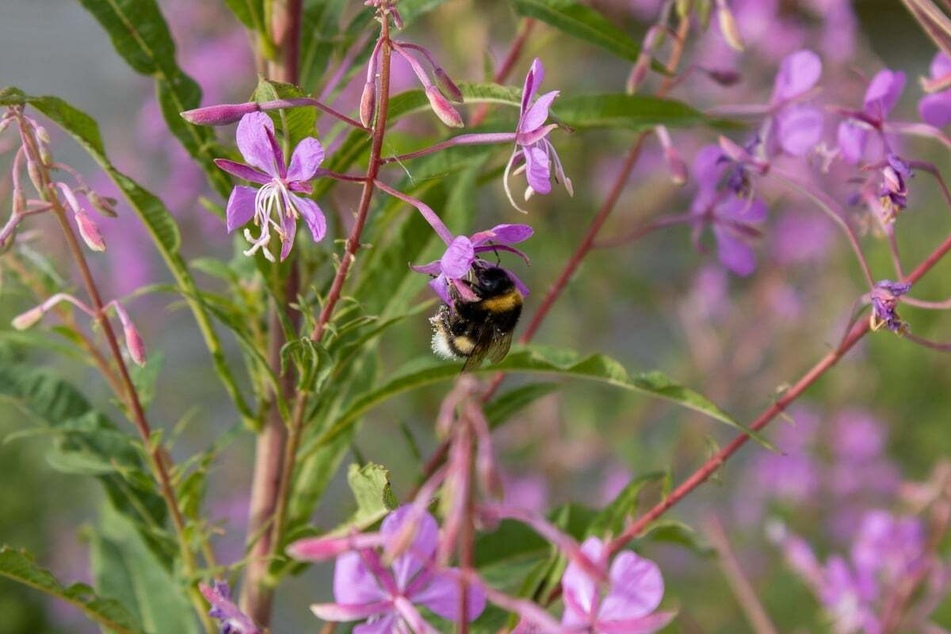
<point x="222" y="114"/>
<point x="443" y="109"/>
<point x="446" y="86"/>
<point x="133" y="341"/>
<point x="728" y="26"/>
<point x="28" y="319"/>
<point x="103" y="204"/>
<point x="368" y="104"/>
<point x="33" y="170"/>
<point x="89" y="231"/>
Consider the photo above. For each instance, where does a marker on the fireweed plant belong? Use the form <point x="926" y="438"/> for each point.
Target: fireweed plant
<point x="734" y="146"/>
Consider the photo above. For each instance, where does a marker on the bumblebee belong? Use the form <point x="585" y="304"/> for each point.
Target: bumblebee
<point x="474" y="330"/>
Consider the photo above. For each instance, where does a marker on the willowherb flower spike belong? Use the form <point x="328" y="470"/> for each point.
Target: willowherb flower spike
<point x="884" y="299"/>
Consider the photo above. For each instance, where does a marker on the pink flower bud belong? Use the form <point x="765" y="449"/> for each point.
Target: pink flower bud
<point x="134" y="343"/>
<point x="222" y="114"/>
<point x="446" y="86"/>
<point x="443" y="109"/>
<point x="397" y="18"/>
<point x="368" y="103"/>
<point x="28" y="319"/>
<point x="34" y="172"/>
<point x="89" y="232"/>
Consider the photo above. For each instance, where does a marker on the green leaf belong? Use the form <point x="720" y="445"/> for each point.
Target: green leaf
<point x="611" y="519"/>
<point x="669" y="531"/>
<point x="532" y="359"/>
<point x="140" y="35"/>
<point x="320" y="37"/>
<point x="311" y="359"/>
<point x="374" y="495"/>
<point x="156" y="218"/>
<point x="582" y="22"/>
<point x="124" y="568"/>
<point x="507" y="405"/>
<point x="108" y="613"/>
<point x="249" y="12"/>
<point x="628" y="112"/>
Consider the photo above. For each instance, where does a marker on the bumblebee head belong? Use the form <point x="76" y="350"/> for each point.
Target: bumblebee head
<point x="493" y="281"/>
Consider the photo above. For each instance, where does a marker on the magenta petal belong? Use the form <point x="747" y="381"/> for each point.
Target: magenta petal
<point x="851" y="140"/>
<point x="254" y="144"/>
<point x="742" y="210"/>
<point x="387" y="624"/>
<point x="433" y="268"/>
<point x="538" y="169"/>
<point x="442" y="597"/>
<point x="246" y="172"/>
<point x="637" y="588"/>
<point x="940" y="65"/>
<point x="580" y="591"/>
<point x="797" y="74"/>
<point x="354" y="584"/>
<point x="799" y="129"/>
<point x="538" y="113"/>
<point x="644" y="625"/>
<point x="240" y="208"/>
<point x="532" y="81"/>
<point x="883" y="92"/>
<point x="312" y="215"/>
<point x="440" y="286"/>
<point x="307" y="157"/>
<point x="503" y="234"/>
<point x="289" y="225"/>
<point x="345" y="612"/>
<point x="424" y="541"/>
<point x="936" y="109"/>
<point x="458" y="257"/>
<point x="733" y="253"/>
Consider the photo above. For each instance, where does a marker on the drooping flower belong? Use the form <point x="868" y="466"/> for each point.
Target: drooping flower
<point x="533" y="151"/>
<point x="635" y="588"/>
<point x="884" y="300"/>
<point x="935" y="109"/>
<point x="386" y="597"/>
<point x="881" y="96"/>
<point x="725" y="202"/>
<point x="276" y="205"/>
<point x="462" y="253"/>
<point x="893" y="190"/>
<point x="231" y="618"/>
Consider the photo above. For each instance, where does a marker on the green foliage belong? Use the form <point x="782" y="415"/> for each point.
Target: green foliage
<point x="140" y="35"/>
<point x="125" y="569"/>
<point x="583" y="22"/>
<point x="109" y="613"/>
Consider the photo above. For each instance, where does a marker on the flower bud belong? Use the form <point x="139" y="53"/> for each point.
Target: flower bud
<point x="368" y="104"/>
<point x="397" y="18"/>
<point x="443" y="109"/>
<point x="33" y="170"/>
<point x="89" y="232"/>
<point x="28" y="319"/>
<point x="134" y="343"/>
<point x="103" y="204"/>
<point x="723" y="76"/>
<point x="446" y="86"/>
<point x="729" y="28"/>
<point x="222" y="114"/>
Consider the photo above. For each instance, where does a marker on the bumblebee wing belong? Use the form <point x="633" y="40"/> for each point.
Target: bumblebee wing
<point x="501" y="342"/>
<point x="483" y="337"/>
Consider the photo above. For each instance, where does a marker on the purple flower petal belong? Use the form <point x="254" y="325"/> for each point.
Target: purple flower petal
<point x="503" y="234"/>
<point x="240" y="208"/>
<point x="851" y="140"/>
<point x="313" y="215"/>
<point x="243" y="171"/>
<point x="733" y="252"/>
<point x="799" y="129"/>
<point x="354" y="584"/>
<point x="538" y="113"/>
<point x="424" y="543"/>
<point x="637" y="588"/>
<point x="254" y="143"/>
<point x="538" y="170"/>
<point x="883" y="92"/>
<point x="940" y="65"/>
<point x="532" y="81"/>
<point x="580" y="591"/>
<point x="441" y="596"/>
<point x="348" y="612"/>
<point x="641" y="625"/>
<point x="936" y="109"/>
<point x="797" y="74"/>
<point x="440" y="286"/>
<point x="387" y="624"/>
<point x="307" y="157"/>
<point x="458" y="258"/>
<point x="289" y="223"/>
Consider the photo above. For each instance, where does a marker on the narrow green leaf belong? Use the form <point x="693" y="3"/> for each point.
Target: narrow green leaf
<point x="611" y="519"/>
<point x="670" y="531"/>
<point x="108" y="613"/>
<point x="628" y="112"/>
<point x="582" y="22"/>
<point x="124" y="568"/>
<point x="140" y="35"/>
<point x="507" y="405"/>
<point x="249" y="12"/>
<point x="532" y="359"/>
